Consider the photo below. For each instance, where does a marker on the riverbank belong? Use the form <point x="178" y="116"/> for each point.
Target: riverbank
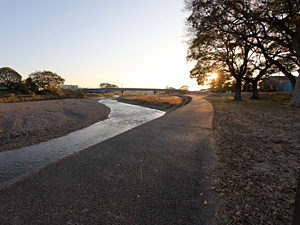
<point x="122" y="118"/>
<point x="28" y="123"/>
<point x="160" y="102"/>
<point x="32" y="122"/>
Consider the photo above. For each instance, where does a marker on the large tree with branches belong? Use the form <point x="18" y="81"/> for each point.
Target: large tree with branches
<point x="273" y="26"/>
<point x="215" y="49"/>
<point x="10" y="78"/>
<point x="46" y="80"/>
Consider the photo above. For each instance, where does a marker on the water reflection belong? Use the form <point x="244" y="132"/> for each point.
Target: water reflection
<point x="123" y="117"/>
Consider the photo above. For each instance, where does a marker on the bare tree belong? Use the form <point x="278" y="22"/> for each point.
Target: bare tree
<point x="271" y="85"/>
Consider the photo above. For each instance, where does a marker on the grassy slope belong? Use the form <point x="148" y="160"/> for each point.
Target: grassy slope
<point x="160" y="101"/>
<point x="59" y="94"/>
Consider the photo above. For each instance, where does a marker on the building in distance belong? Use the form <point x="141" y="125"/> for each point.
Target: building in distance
<point x="69" y="86"/>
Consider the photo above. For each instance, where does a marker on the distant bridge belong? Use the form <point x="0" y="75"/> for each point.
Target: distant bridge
<point x="122" y="90"/>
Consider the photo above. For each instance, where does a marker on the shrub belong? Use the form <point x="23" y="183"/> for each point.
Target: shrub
<point x="71" y="93"/>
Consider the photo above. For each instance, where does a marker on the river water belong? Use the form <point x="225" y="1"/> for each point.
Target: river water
<point x="123" y="117"/>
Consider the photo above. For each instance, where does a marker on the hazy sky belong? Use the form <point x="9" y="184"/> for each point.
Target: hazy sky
<point x="133" y="43"/>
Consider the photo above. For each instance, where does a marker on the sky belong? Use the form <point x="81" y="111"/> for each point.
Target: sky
<point x="133" y="43"/>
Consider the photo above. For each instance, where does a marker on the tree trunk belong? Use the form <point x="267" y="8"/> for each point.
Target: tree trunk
<point x="296" y="95"/>
<point x="255" y="91"/>
<point x="238" y="90"/>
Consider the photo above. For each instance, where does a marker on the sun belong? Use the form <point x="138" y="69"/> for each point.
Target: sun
<point x="213" y="75"/>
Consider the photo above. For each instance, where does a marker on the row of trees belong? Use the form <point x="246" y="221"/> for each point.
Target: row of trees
<point x="108" y="85"/>
<point x="39" y="81"/>
<point x="267" y="84"/>
<point x="245" y="40"/>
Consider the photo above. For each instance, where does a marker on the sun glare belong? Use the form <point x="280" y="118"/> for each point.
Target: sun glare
<point x="214" y="75"/>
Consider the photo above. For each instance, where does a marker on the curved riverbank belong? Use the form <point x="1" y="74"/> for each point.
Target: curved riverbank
<point x="28" y="123"/>
<point x="123" y="117"/>
<point x="163" y="103"/>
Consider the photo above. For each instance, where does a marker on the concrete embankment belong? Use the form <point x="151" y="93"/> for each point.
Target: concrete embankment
<point x="159" y="173"/>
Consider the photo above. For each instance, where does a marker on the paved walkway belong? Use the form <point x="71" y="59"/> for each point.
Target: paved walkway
<point x="158" y="173"/>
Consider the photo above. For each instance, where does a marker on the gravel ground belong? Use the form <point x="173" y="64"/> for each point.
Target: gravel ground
<point x="29" y="123"/>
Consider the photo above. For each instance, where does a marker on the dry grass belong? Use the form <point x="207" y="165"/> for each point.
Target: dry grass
<point x="66" y="93"/>
<point x="102" y="94"/>
<point x="161" y="101"/>
<point x="259" y="154"/>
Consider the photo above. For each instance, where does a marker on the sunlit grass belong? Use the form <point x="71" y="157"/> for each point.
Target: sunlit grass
<point x="166" y="102"/>
<point x="60" y="94"/>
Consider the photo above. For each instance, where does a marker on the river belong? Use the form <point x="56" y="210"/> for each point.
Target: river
<point x="123" y="117"/>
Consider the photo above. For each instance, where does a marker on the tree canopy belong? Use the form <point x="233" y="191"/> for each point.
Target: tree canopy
<point x="107" y="85"/>
<point x="46" y="80"/>
<point x="9" y="77"/>
<point x="232" y="34"/>
<point x="184" y="88"/>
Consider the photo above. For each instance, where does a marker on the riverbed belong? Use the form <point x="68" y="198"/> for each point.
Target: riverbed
<point x="123" y="117"/>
